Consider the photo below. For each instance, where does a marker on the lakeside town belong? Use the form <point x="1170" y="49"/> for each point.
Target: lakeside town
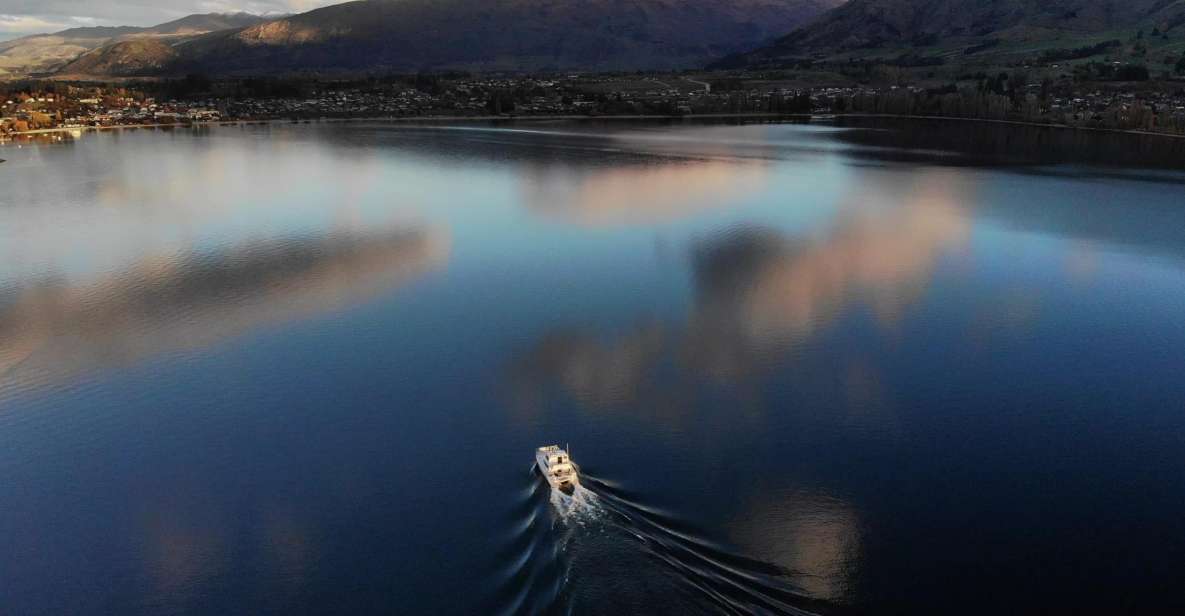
<point x="55" y="106"/>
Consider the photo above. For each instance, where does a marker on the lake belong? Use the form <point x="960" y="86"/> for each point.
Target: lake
<point x="805" y="368"/>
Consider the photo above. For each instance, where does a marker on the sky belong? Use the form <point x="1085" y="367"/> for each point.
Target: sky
<point x="24" y="17"/>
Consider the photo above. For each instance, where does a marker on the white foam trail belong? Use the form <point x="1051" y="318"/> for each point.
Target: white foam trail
<point x="580" y="507"/>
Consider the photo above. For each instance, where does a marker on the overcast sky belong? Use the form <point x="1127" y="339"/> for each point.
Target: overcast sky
<point x="21" y="17"/>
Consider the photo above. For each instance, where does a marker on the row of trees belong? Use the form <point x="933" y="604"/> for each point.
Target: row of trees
<point x="1102" y="71"/>
<point x="33" y="120"/>
<point x="990" y="105"/>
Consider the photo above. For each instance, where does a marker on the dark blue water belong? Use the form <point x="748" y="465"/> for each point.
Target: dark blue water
<point x="303" y="369"/>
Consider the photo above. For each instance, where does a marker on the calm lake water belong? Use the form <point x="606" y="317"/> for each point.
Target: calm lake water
<point x="288" y="369"/>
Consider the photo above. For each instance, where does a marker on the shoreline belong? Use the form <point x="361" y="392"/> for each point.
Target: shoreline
<point x="1095" y="129"/>
<point x="410" y="120"/>
<point x="584" y="118"/>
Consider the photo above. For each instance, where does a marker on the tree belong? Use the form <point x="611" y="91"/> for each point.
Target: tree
<point x="1132" y="72"/>
<point x="1180" y="68"/>
<point x="500" y="102"/>
<point x="801" y="103"/>
<point x="40" y="120"/>
<point x="1016" y="87"/>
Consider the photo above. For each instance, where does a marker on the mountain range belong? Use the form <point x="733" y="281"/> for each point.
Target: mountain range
<point x="410" y="35"/>
<point x="962" y="28"/>
<point x="46" y="53"/>
<point x="432" y="35"/>
<point x="607" y="35"/>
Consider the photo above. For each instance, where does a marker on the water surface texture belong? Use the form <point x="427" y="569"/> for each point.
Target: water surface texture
<point x="804" y="369"/>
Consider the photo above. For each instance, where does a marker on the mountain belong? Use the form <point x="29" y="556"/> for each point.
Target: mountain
<point x="413" y="35"/>
<point x="130" y="58"/>
<point x="42" y="53"/>
<point x="93" y="32"/>
<point x="968" y="27"/>
<point x="205" y="23"/>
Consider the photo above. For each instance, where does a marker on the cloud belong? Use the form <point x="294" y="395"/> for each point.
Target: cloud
<point x="12" y="26"/>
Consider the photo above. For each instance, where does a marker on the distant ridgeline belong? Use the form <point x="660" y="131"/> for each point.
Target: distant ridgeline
<point x="119" y="50"/>
<point x="957" y="33"/>
<point x="425" y="36"/>
<point x="932" y="37"/>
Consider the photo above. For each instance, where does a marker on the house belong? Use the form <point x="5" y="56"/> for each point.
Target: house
<point x="203" y="115"/>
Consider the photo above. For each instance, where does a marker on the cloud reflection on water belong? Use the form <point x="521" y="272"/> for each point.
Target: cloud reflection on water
<point x="184" y="545"/>
<point x="51" y="327"/>
<point x="759" y="292"/>
<point x="814" y="537"/>
<point x="639" y="193"/>
<point x="181" y="552"/>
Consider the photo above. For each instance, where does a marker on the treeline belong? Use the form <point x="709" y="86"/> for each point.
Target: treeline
<point x="1103" y="71"/>
<point x="1014" y="105"/>
<point x="34" y="120"/>
<point x="12" y="89"/>
<point x="1059" y="55"/>
<point x="203" y="86"/>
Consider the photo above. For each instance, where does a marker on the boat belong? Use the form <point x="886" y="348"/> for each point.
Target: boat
<point x="556" y="466"/>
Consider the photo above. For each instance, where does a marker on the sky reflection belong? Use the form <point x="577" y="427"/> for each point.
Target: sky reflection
<point x="52" y="327"/>
<point x="643" y="193"/>
<point x="232" y="362"/>
<point x="813" y="536"/>
<point x="758" y="293"/>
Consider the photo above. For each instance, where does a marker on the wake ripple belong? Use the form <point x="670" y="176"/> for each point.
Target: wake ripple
<point x="586" y="551"/>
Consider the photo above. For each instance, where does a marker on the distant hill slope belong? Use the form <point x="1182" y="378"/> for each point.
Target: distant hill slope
<point x="42" y="53"/>
<point x="905" y="25"/>
<point x="45" y="52"/>
<point x="410" y="35"/>
<point x="130" y="58"/>
<point x="205" y="23"/>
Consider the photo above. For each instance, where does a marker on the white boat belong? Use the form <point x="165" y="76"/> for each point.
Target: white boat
<point x="556" y="465"/>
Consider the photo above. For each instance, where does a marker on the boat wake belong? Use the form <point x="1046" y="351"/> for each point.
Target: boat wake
<point x="581" y="507"/>
<point x="602" y="550"/>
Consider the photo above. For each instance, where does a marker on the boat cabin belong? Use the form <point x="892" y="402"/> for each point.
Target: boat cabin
<point x="556" y="465"/>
